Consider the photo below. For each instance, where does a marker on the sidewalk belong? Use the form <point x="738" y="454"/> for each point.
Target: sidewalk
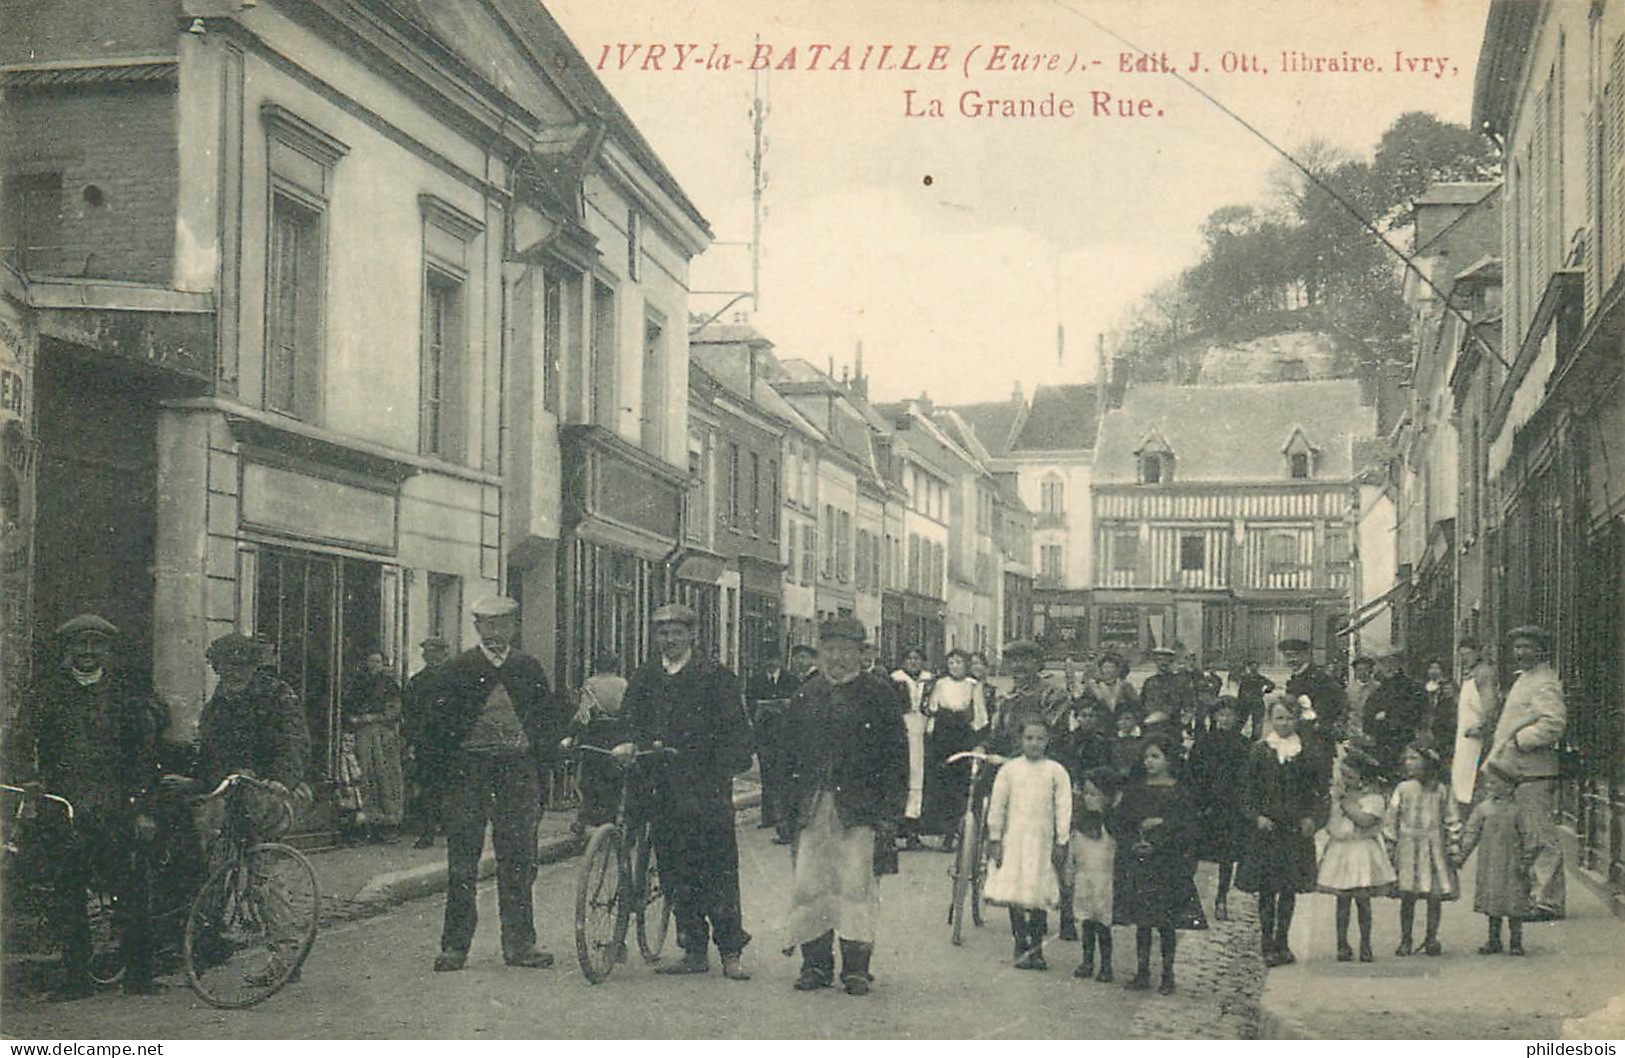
<point x="367" y="879"/>
<point x="1571" y="984"/>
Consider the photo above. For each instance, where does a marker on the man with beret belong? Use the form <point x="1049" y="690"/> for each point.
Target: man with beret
<point x="1525" y="746"/>
<point x="693" y="705"/>
<point x="848" y="753"/>
<point x="82" y="733"/>
<point x="491" y="726"/>
<point x="1323" y="701"/>
<point x="418" y="703"/>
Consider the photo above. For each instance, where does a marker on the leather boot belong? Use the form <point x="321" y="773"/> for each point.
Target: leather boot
<point x="855" y="974"/>
<point x="817" y="964"/>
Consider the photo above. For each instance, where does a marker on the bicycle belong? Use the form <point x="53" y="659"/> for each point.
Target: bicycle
<point x="969" y="869"/>
<point x="106" y="961"/>
<point x="253" y="922"/>
<point x="620" y="881"/>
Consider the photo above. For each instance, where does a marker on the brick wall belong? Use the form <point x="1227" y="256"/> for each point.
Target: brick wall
<point x="117" y="138"/>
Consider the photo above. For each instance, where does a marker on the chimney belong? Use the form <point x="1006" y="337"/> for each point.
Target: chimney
<point x="860" y="381"/>
<point x="1102" y="380"/>
<point x="1016" y="396"/>
<point x="1119" y="381"/>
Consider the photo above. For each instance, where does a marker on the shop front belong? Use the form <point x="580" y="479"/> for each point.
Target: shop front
<point x="622" y="519"/>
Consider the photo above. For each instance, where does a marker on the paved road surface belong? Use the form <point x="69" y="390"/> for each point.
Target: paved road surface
<point x="372" y="979"/>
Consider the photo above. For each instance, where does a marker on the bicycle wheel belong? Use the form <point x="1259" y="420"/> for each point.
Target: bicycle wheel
<point x="106" y="959"/>
<point x="251" y="927"/>
<point x="978" y="874"/>
<point x="653" y="905"/>
<point x="602" y="914"/>
<point x="963" y="870"/>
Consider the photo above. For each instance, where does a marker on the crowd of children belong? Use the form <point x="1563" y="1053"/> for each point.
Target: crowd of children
<point x="1115" y="826"/>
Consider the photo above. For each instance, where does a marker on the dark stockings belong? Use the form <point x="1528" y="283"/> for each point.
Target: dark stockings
<point x="1142" y="951"/>
<point x="1344" y="905"/>
<point x="1407" y="919"/>
<point x="1275" y="918"/>
<point x="1227" y="871"/>
<point x="1028" y="926"/>
<point x="1097" y="933"/>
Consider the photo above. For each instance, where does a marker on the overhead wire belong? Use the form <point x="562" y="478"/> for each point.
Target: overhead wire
<point x="1314" y="178"/>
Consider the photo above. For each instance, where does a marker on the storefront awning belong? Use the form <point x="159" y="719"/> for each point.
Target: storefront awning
<point x="700" y="567"/>
<point x="1373" y="609"/>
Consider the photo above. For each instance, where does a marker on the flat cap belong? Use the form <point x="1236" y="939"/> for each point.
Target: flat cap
<point x="1023" y="648"/>
<point x="1295" y="644"/>
<point x="848" y="628"/>
<point x="234" y="648"/>
<point x="1535" y="632"/>
<point x="675" y="613"/>
<point x="87" y="622"/>
<point x="495" y="606"/>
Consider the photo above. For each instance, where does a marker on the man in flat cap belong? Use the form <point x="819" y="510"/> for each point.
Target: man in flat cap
<point x="1525" y="746"/>
<point x="693" y="705"/>
<point x="418" y="703"/>
<point x="848" y="760"/>
<point x="1029" y="696"/>
<point x="1327" y="702"/>
<point x="493" y="724"/>
<point x="83" y="734"/>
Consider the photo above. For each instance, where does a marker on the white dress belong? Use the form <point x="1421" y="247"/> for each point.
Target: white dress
<point x="914" y="722"/>
<point x="1464" y="765"/>
<point x="1030" y="811"/>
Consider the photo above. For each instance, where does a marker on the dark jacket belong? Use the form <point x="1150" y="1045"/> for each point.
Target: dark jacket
<point x="1173" y="693"/>
<point x="847" y="738"/>
<point x="765" y="685"/>
<point x="95" y="746"/>
<point x="262" y="730"/>
<point x="456" y="695"/>
<point x="700" y="713"/>
<point x="1327" y="698"/>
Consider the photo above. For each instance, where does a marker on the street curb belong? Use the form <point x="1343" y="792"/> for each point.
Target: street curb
<point x="414" y="883"/>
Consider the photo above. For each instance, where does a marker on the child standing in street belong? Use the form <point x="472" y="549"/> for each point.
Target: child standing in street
<point x="1029" y="819"/>
<point x="1154" y="884"/>
<point x="1503" y="888"/>
<point x="1354" y="866"/>
<point x="1090" y="860"/>
<point x="1218" y="763"/>
<point x="1423" y="828"/>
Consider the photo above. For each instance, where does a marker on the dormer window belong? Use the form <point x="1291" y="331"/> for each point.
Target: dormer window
<point x="1156" y="460"/>
<point x="1300" y="455"/>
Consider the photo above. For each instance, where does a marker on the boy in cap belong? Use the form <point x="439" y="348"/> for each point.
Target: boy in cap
<point x="848" y="759"/>
<point x="492" y="726"/>
<point x="82" y="734"/>
<point x="693" y="705"/>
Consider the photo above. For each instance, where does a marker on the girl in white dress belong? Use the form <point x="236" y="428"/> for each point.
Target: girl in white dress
<point x="1090" y="860"/>
<point x="1029" y="820"/>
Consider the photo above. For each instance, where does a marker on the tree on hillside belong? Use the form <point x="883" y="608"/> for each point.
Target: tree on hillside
<point x="1307" y="254"/>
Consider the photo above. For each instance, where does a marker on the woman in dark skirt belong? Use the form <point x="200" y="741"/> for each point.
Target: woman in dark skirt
<point x="1284" y="792"/>
<point x="956" y="711"/>
<point x="1217" y="763"/>
<point x="1153" y="885"/>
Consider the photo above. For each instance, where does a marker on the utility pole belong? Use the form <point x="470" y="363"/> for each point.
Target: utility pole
<point x="758" y="119"/>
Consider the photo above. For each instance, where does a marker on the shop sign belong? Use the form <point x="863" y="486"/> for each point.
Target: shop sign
<point x="1120" y="623"/>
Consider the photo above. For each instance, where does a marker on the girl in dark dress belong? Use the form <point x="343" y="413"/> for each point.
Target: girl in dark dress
<point x="1153" y="885"/>
<point x="1284" y="793"/>
<point x="1217" y="762"/>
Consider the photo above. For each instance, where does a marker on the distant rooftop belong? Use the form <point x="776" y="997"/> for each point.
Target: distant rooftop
<point x="1062" y="418"/>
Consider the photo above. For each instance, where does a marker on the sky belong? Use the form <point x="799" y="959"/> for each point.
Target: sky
<point x="955" y="248"/>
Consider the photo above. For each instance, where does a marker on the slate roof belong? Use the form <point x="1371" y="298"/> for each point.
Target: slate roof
<point x="1062" y="418"/>
<point x="1236" y="433"/>
<point x="728" y="364"/>
<point x="995" y="423"/>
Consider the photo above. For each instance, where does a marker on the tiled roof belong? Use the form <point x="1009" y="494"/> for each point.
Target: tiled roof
<point x="729" y="364"/>
<point x="1062" y="418"/>
<point x="1235" y="433"/>
<point x="995" y="423"/>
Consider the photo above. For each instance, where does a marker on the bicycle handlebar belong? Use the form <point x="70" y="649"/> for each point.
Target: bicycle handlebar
<point x="232" y="780"/>
<point x="972" y="754"/>
<point x="661" y="751"/>
<point x="63" y="801"/>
